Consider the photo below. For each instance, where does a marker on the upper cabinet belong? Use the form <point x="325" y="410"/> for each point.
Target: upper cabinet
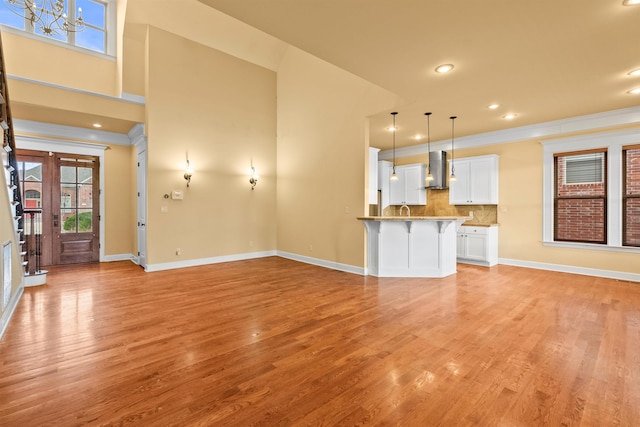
<point x="373" y="175"/>
<point x="476" y="181"/>
<point x="384" y="173"/>
<point x="409" y="189"/>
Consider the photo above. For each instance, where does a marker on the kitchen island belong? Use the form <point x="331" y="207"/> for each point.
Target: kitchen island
<point x="411" y="246"/>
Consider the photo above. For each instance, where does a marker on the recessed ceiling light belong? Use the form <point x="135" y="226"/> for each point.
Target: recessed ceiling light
<point x="509" y="116"/>
<point x="635" y="91"/>
<point x="634" y="72"/>
<point x="444" y="68"/>
<point x="630" y="2"/>
<point x="97" y="125"/>
<point x="493" y="106"/>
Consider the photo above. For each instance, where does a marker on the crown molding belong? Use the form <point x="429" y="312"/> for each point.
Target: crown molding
<point x="70" y="133"/>
<point x="541" y="130"/>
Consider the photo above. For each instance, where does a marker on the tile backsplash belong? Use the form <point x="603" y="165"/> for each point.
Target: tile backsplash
<point x="438" y="205"/>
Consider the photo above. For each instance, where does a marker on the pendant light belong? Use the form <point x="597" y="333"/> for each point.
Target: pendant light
<point x="452" y="177"/>
<point x="429" y="175"/>
<point x="394" y="177"/>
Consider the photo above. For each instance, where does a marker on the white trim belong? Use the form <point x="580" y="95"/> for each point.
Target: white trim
<point x="593" y="247"/>
<point x="130" y="98"/>
<point x="609" y="274"/>
<point x="118" y="257"/>
<point x="613" y="141"/>
<point x="324" y="263"/>
<point x="133" y="98"/>
<point x="70" y="133"/>
<point x="206" y="261"/>
<point x="589" y="122"/>
<point x="7" y="314"/>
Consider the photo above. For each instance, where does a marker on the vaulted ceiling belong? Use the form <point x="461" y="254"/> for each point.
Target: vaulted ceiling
<point x="542" y="60"/>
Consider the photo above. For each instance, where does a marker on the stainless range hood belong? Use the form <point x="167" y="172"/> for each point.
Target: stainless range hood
<point x="438" y="167"/>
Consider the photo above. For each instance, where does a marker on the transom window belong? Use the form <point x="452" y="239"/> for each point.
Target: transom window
<point x="57" y="19"/>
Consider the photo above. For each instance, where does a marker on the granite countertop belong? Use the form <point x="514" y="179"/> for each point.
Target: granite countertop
<point x="413" y="218"/>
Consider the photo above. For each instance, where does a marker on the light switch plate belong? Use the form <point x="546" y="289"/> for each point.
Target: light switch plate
<point x="177" y="195"/>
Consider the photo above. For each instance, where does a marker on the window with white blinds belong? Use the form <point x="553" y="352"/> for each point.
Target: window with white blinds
<point x="584" y="168"/>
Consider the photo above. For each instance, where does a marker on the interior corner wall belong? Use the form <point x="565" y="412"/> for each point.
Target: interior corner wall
<point x="322" y="157"/>
<point x="118" y="210"/>
<point x="220" y="113"/>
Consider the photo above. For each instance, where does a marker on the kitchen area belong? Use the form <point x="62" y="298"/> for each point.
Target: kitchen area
<point x="424" y="218"/>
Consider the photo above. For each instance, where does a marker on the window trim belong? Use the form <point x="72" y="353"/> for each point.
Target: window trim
<point x="611" y="141"/>
<point x="557" y="198"/>
<point x="625" y="196"/>
<point x="110" y="34"/>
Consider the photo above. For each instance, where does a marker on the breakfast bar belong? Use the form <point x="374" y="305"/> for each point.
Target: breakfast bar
<point x="411" y="246"/>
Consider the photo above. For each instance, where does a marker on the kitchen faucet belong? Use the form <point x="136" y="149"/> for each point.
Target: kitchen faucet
<point x="408" y="210"/>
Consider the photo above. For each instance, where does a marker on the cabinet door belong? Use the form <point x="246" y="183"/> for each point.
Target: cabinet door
<point x="384" y="172"/>
<point x="476" y="247"/>
<point x="414" y="188"/>
<point x="460" y="245"/>
<point x="481" y="181"/>
<point x="373" y="175"/>
<point x="459" y="189"/>
<point x="397" y="188"/>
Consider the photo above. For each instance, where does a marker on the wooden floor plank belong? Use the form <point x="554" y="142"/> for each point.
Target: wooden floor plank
<point x="273" y="342"/>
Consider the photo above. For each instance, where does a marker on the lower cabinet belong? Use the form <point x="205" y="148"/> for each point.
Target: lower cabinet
<point x="477" y="245"/>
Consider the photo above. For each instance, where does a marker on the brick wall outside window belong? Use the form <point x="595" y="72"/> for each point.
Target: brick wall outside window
<point x="580" y="209"/>
<point x="631" y="200"/>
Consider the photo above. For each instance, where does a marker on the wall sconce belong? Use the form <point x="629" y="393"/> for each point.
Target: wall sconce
<point x="188" y="173"/>
<point x="253" y="178"/>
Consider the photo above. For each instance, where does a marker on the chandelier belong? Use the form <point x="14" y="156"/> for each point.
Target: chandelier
<point x="47" y="16"/>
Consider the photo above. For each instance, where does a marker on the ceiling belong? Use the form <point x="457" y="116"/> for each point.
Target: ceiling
<point x="542" y="60"/>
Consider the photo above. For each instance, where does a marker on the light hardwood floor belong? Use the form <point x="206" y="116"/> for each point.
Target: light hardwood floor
<point x="273" y="342"/>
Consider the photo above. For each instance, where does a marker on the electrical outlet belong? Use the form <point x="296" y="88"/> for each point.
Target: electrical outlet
<point x="178" y="251"/>
<point x="310" y="248"/>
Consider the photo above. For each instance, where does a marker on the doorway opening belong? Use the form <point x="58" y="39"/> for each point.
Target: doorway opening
<point x="66" y="187"/>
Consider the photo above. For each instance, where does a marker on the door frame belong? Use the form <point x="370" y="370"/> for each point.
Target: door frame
<point x="64" y="147"/>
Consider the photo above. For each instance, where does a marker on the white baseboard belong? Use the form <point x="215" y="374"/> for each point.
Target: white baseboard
<point x="324" y="263"/>
<point x="609" y="274"/>
<point x="205" y="261"/>
<point x="118" y="257"/>
<point x="11" y="308"/>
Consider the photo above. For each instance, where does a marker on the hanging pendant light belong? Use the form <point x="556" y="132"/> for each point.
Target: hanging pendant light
<point x="429" y="175"/>
<point x="394" y="176"/>
<point x="452" y="177"/>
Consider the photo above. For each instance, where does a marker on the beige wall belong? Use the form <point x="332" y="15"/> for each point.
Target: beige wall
<point x="119" y="210"/>
<point x="221" y="112"/>
<point x="520" y="211"/>
<point x="72" y="68"/>
<point x="322" y="153"/>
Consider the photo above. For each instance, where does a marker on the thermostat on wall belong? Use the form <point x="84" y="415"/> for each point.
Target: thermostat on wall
<point x="177" y="195"/>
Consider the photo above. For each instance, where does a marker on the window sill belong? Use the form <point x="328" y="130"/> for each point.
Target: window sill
<point x="593" y="247"/>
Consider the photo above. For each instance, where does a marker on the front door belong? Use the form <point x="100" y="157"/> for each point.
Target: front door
<point x="75" y="209"/>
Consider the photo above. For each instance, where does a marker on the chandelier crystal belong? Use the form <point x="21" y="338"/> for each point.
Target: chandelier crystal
<point x="47" y="16"/>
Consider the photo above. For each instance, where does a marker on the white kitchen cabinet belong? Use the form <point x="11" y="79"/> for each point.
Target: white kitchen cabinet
<point x="373" y="175"/>
<point x="476" y="181"/>
<point x="409" y="188"/>
<point x="384" y="173"/>
<point x="477" y="245"/>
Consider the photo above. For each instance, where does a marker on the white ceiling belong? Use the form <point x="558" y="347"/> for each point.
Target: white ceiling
<point x="543" y="60"/>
